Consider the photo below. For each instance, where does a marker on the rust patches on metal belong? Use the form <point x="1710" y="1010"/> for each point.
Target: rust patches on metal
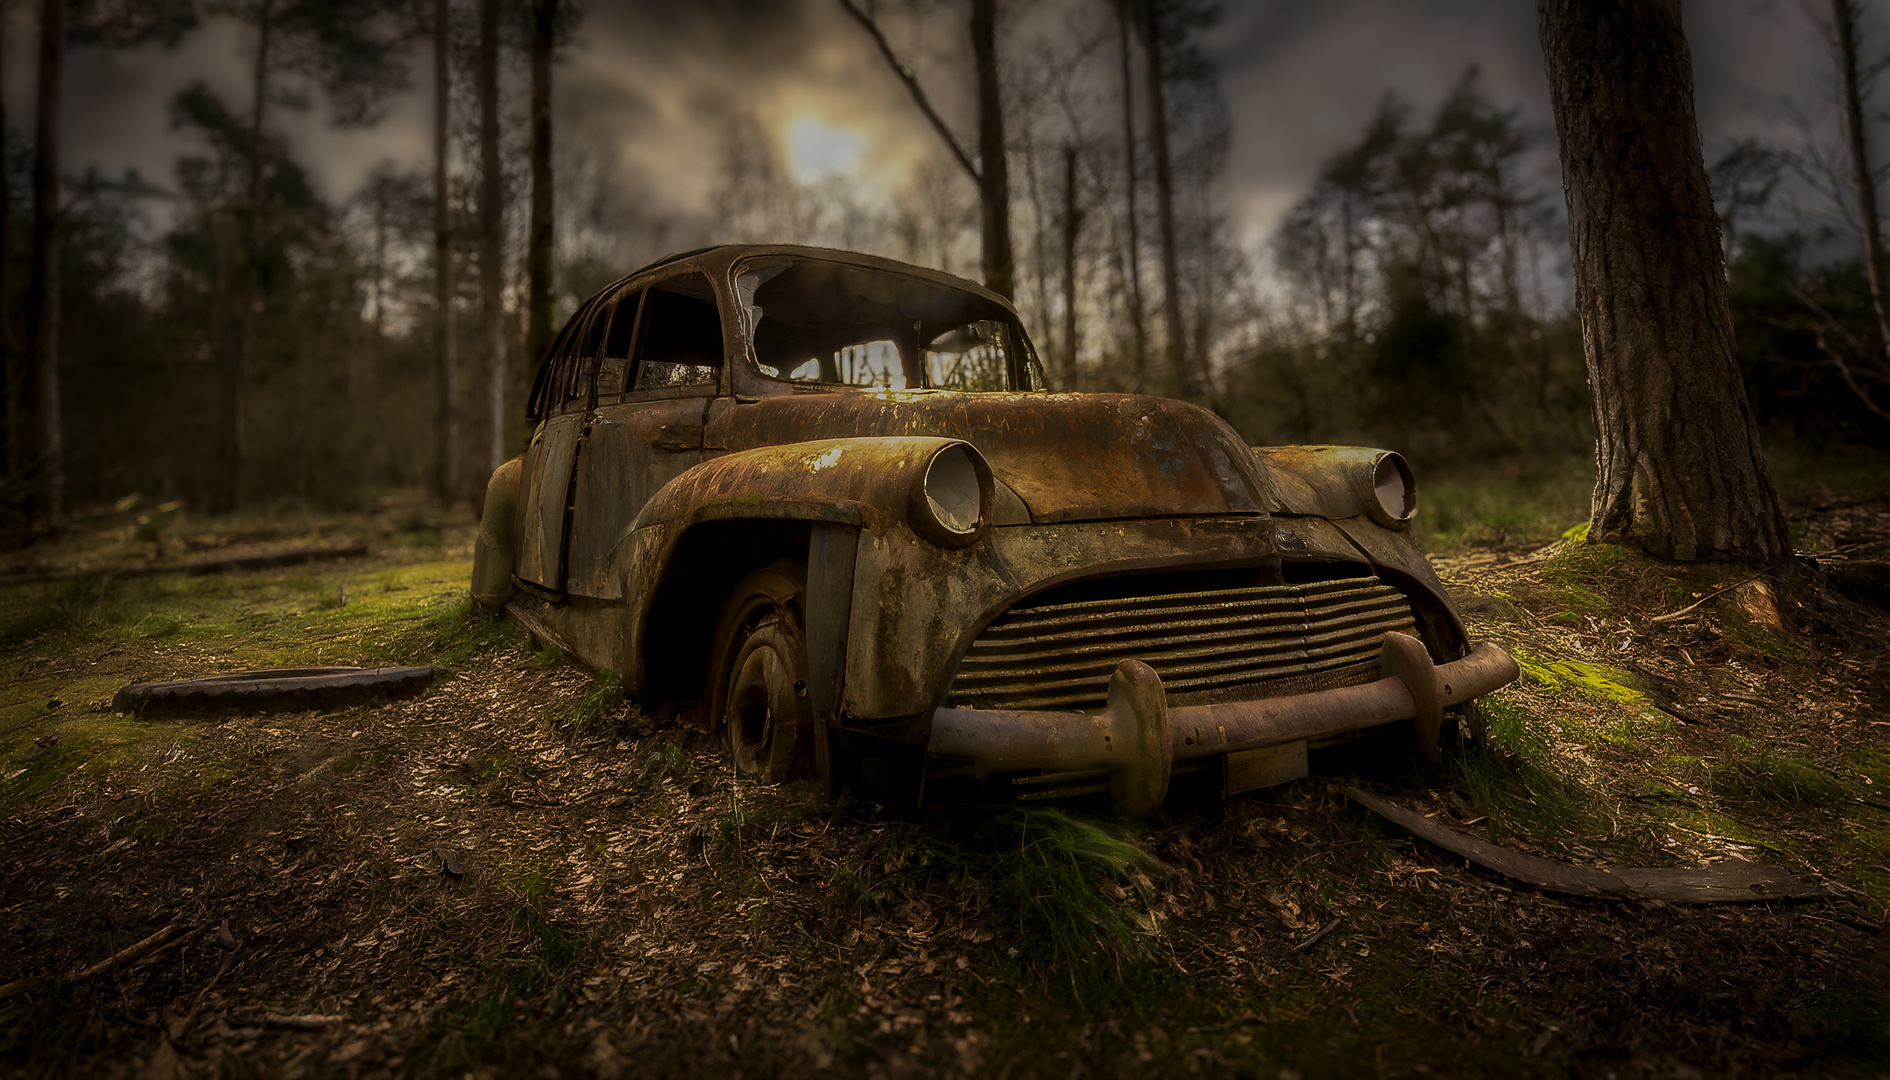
<point x="637" y="510"/>
<point x="1004" y="740"/>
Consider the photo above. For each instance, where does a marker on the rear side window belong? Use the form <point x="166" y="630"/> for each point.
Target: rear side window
<point x="681" y="335"/>
<point x="564" y="376"/>
<point x="614" y="365"/>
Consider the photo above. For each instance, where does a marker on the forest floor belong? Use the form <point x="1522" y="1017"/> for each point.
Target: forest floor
<point x="625" y="906"/>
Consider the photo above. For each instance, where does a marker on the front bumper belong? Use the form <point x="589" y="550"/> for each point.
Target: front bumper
<point x="1140" y="737"/>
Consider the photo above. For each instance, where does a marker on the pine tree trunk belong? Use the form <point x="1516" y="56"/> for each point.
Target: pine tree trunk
<point x="1680" y="469"/>
<point x="237" y="359"/>
<point x="9" y="356"/>
<point x="538" y="258"/>
<point x="1072" y="222"/>
<point x="994" y="187"/>
<point x="1138" y="326"/>
<point x="1863" y="177"/>
<point x="491" y="248"/>
<point x="39" y="390"/>
<point x="446" y="364"/>
<point x="1181" y="378"/>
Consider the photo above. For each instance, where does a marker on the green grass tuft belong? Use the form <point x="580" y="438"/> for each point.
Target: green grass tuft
<point x="1071" y="886"/>
<point x="666" y="760"/>
<point x="1750" y="770"/>
<point x="600" y="711"/>
<point x="1511" y="779"/>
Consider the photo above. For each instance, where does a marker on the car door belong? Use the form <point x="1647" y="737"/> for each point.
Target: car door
<point x="648" y="432"/>
<point x="552" y="458"/>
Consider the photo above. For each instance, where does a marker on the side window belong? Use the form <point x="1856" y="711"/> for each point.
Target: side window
<point x="681" y="336"/>
<point x="549" y="388"/>
<point x="580" y="361"/>
<point x="615" y="364"/>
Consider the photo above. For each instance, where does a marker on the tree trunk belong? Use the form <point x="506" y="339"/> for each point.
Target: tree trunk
<point x="491" y="244"/>
<point x="1072" y="222"/>
<point x="1680" y="469"/>
<point x="1863" y="177"/>
<point x="994" y="188"/>
<point x="446" y="364"/>
<point x="1181" y="379"/>
<point x="249" y="291"/>
<point x="9" y="356"/>
<point x="1138" y="326"/>
<point x="39" y="392"/>
<point x="538" y="257"/>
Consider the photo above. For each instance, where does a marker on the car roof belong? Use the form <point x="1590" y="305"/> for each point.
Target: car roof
<point x="715" y="261"/>
<point x="718" y="257"/>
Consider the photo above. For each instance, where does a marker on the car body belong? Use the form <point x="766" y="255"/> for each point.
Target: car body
<point x="828" y="496"/>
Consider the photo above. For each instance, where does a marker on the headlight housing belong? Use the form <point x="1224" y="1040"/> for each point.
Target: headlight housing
<point x="1391" y="495"/>
<point x="951" y="498"/>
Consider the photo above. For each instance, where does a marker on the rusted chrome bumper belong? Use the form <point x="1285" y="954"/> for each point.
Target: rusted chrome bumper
<point x="1140" y="737"/>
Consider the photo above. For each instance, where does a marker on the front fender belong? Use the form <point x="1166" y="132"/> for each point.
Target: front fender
<point x="865" y="483"/>
<point x="860" y="481"/>
<point x="1332" y="481"/>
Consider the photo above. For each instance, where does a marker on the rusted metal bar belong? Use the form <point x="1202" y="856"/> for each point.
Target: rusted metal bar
<point x="1732" y="881"/>
<point x="1006" y="740"/>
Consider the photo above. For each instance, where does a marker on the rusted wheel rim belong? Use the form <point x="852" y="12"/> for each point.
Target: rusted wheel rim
<point x="767" y="706"/>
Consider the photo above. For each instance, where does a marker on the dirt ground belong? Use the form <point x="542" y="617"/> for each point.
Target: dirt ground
<point x="519" y="874"/>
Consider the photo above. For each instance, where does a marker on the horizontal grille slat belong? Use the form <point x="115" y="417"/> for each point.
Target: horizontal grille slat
<point x="1061" y="655"/>
<point x="1007" y="651"/>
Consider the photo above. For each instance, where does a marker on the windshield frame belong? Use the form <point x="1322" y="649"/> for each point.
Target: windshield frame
<point x="1023" y="362"/>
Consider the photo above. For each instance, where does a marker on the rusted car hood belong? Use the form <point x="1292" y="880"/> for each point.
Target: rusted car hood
<point x="1069" y="457"/>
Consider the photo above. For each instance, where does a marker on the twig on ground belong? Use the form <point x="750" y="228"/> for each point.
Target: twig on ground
<point x="130" y="954"/>
<point x="1714" y="595"/>
<point x="1320" y="934"/>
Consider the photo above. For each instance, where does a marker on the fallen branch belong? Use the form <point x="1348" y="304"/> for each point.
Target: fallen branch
<point x="304" y="1022"/>
<point x="1320" y="934"/>
<point x="261" y="560"/>
<point x="130" y="954"/>
<point x="1714" y="595"/>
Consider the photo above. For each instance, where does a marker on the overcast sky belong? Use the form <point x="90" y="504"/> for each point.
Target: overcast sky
<point x="659" y="80"/>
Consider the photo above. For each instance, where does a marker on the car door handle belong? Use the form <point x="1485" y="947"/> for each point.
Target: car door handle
<point x="677" y="437"/>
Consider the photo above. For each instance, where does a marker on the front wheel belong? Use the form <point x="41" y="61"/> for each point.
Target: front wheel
<point x="757" y="689"/>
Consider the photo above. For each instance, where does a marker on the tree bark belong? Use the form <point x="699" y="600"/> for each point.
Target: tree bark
<point x="1863" y="177"/>
<point x="446" y="363"/>
<point x="1138" y="326"/>
<point x="491" y="246"/>
<point x="990" y="172"/>
<point x="994" y="188"/>
<point x="1181" y="377"/>
<point x="39" y="392"/>
<point x="538" y="257"/>
<point x="248" y="294"/>
<point x="1679" y="466"/>
<point x="9" y="356"/>
<point x="1072" y="222"/>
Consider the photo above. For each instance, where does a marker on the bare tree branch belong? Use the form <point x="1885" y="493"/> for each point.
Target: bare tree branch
<point x="1827" y="324"/>
<point x="912" y="84"/>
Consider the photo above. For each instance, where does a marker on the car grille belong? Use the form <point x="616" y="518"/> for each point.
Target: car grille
<point x="1266" y="640"/>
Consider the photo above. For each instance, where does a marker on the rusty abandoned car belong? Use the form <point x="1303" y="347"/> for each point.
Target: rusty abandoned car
<point x="830" y="496"/>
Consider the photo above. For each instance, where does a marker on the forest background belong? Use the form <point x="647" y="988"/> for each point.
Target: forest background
<point x="231" y="335"/>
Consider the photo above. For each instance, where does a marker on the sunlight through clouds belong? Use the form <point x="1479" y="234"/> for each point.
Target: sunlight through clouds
<point x="816" y="150"/>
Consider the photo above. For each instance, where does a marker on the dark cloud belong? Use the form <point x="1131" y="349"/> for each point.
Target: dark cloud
<point x="664" y="80"/>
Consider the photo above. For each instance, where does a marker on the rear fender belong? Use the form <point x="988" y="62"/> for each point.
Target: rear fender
<point x="494" y="549"/>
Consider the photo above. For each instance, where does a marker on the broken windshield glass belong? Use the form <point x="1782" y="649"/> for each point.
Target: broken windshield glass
<point x="833" y="324"/>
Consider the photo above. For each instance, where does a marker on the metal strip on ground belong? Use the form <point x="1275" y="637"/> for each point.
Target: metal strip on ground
<point x="1732" y="881"/>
